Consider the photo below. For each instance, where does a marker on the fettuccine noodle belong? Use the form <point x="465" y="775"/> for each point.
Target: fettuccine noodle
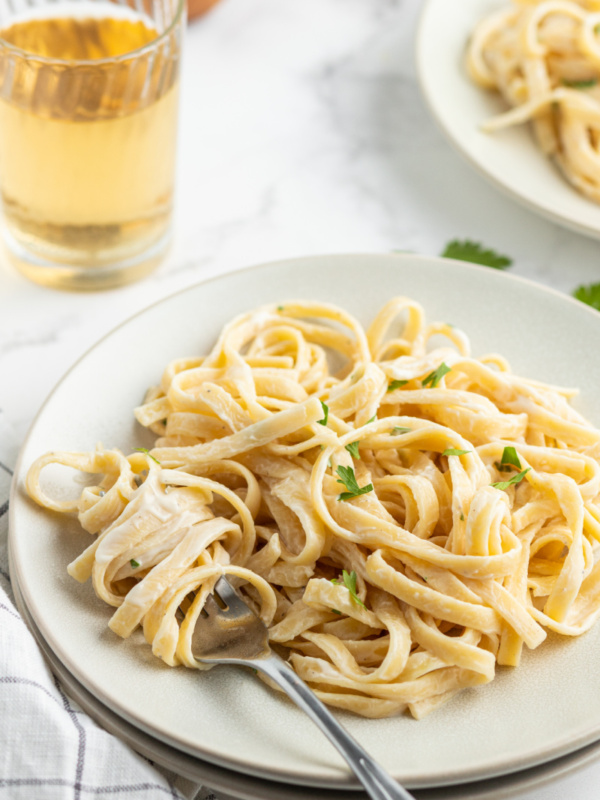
<point x="401" y="515"/>
<point x="543" y="56"/>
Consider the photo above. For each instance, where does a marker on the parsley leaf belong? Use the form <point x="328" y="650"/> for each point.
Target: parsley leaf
<point x="510" y="458"/>
<point x="453" y="452"/>
<point x="134" y="563"/>
<point x="348" y="479"/>
<point x="590" y="295"/>
<point x="398" y="430"/>
<point x="396" y="385"/>
<point x="147" y="452"/>
<point x="436" y="376"/>
<point x="514" y="480"/>
<point x="475" y="253"/>
<point x="349" y="581"/>
<point x="350" y="584"/>
<point x="352" y="448"/>
<point x="585" y="84"/>
<point x="325" y="414"/>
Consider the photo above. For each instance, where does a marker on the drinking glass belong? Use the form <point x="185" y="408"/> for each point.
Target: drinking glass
<point x="88" y="123"/>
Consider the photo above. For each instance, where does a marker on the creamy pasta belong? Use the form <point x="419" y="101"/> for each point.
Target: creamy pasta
<point x="543" y="56"/>
<point x="403" y="516"/>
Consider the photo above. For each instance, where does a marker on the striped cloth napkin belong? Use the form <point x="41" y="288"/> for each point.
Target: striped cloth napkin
<point x="49" y="748"/>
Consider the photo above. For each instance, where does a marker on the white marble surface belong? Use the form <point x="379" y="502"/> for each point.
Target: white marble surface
<point x="302" y="132"/>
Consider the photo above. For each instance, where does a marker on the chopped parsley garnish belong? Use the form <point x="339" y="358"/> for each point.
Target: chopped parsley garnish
<point x="335" y="611"/>
<point x="396" y="385"/>
<point x="510" y="458"/>
<point x="134" y="563"/>
<point x="475" y="253"/>
<point x="585" y="84"/>
<point x="325" y="414"/>
<point x="512" y="481"/>
<point x="373" y="418"/>
<point x="147" y="452"/>
<point x="590" y="295"/>
<point x="279" y="308"/>
<point x="398" y="430"/>
<point x="462" y="517"/>
<point x="352" y="448"/>
<point x="348" y="479"/>
<point x="436" y="376"/>
<point x="349" y="581"/>
<point x="453" y="452"/>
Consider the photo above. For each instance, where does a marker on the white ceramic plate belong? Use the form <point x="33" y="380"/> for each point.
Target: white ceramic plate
<point x="510" y="159"/>
<point x="243" y="787"/>
<point x="548" y="707"/>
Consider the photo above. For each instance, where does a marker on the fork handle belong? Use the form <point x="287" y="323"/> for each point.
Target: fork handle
<point x="378" y="784"/>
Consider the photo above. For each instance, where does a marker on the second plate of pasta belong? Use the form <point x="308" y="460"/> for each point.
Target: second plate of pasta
<point x="510" y="157"/>
<point x="402" y="476"/>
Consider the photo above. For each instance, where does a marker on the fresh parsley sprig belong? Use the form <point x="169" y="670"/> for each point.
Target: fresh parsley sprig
<point x="352" y="448"/>
<point x="325" y="414"/>
<point x="436" y="376"/>
<point x="349" y="581"/>
<point x="512" y="481"/>
<point x="475" y="253"/>
<point x="509" y="458"/>
<point x="348" y="479"/>
<point x="590" y="295"/>
<point x="147" y="452"/>
<point x="396" y="385"/>
<point x="584" y="84"/>
<point x="398" y="429"/>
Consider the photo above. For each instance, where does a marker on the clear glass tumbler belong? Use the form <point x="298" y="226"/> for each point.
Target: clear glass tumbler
<point x="88" y="125"/>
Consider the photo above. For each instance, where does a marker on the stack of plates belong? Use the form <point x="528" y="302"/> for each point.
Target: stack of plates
<point x="225" y="728"/>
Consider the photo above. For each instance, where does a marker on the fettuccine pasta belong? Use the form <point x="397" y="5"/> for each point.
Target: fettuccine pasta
<point x="403" y="517"/>
<point x="543" y="56"/>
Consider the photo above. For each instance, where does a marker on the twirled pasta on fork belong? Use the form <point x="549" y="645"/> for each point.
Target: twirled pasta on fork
<point x="402" y="516"/>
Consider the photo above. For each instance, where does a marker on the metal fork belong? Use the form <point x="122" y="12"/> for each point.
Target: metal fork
<point x="235" y="635"/>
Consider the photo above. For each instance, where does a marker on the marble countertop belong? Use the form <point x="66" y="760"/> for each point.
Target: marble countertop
<point x="302" y="131"/>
